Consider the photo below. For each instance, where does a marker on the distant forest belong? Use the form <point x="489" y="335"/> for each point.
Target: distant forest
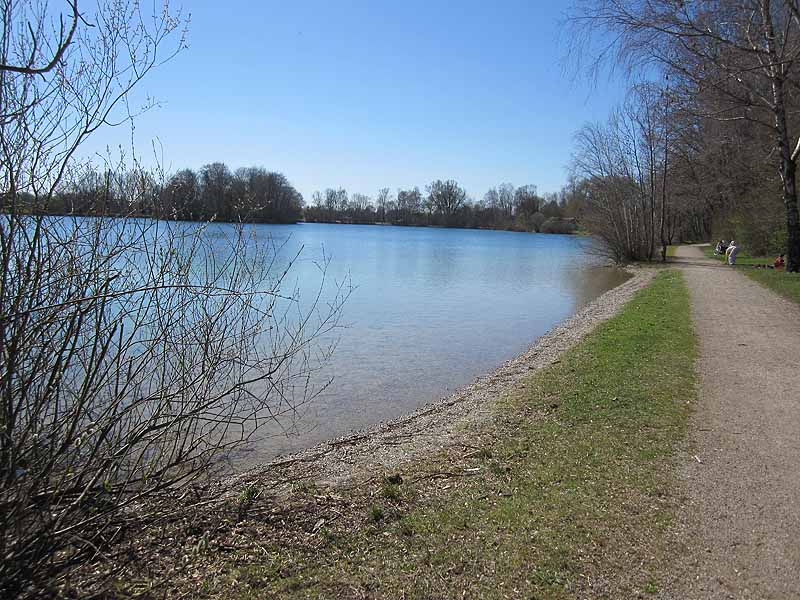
<point x="257" y="195"/>
<point x="446" y="204"/>
<point x="250" y="194"/>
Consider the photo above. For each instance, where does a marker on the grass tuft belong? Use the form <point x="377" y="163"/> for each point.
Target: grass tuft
<point x="390" y="491"/>
<point x="375" y="514"/>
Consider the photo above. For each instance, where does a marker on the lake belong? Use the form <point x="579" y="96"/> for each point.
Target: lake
<point x="431" y="310"/>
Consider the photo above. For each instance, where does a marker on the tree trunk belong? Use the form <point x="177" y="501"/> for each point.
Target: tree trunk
<point x="777" y="74"/>
<point x="664" y="200"/>
<point x="789" y="177"/>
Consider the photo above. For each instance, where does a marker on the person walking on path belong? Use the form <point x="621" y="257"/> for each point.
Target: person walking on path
<point x="731" y="252"/>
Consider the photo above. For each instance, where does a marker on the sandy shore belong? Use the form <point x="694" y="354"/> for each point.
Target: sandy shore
<point x="383" y="447"/>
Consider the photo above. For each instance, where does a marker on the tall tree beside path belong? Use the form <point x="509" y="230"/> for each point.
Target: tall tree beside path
<point x="743" y="53"/>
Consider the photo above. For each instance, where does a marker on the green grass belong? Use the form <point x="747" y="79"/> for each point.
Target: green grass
<point x="742" y="258"/>
<point x="574" y="487"/>
<point x="779" y="281"/>
<point x="671" y="250"/>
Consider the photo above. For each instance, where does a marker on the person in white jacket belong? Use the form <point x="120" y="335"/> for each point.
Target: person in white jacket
<point x="731" y="252"/>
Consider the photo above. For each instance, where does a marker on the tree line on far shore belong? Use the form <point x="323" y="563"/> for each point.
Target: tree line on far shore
<point x="215" y="192"/>
<point x="446" y="204"/>
<point x="257" y="195"/>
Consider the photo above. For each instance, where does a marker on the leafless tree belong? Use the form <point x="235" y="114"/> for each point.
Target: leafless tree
<point x="409" y="205"/>
<point x="36" y="62"/>
<point x="182" y="195"/>
<point x="334" y="201"/>
<point x="746" y="52"/>
<point x="447" y="197"/>
<point x="133" y="353"/>
<point x="360" y="202"/>
<point x="216" y="179"/>
<point x="630" y="152"/>
<point x="505" y="200"/>
<point x="491" y="201"/>
<point x="608" y="160"/>
<point x="381" y="201"/>
<point x="259" y="195"/>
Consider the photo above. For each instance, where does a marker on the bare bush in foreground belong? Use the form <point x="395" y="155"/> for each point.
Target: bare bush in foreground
<point x="133" y="353"/>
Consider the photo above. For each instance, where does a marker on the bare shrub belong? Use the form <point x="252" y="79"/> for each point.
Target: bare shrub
<point x="557" y="225"/>
<point x="622" y="169"/>
<point x="134" y="354"/>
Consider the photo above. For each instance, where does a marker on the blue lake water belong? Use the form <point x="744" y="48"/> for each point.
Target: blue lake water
<point x="431" y="310"/>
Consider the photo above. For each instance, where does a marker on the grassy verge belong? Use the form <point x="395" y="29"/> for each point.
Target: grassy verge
<point x="742" y="258"/>
<point x="709" y="252"/>
<point x="780" y="282"/>
<point x="671" y="251"/>
<point x="569" y="493"/>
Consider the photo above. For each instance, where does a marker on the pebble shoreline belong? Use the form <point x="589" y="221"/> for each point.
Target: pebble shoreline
<point x="385" y="446"/>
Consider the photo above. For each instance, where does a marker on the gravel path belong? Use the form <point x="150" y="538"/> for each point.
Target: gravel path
<point x="743" y="473"/>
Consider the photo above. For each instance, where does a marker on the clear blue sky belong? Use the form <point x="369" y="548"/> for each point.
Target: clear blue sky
<point x="367" y="94"/>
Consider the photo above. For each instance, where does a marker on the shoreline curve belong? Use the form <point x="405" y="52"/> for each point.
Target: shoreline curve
<point x="384" y="446"/>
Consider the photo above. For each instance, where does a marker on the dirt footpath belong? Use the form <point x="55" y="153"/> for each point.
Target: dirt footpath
<point x="742" y="475"/>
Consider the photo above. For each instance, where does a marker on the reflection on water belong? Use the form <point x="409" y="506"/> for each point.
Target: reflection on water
<point x="432" y="309"/>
